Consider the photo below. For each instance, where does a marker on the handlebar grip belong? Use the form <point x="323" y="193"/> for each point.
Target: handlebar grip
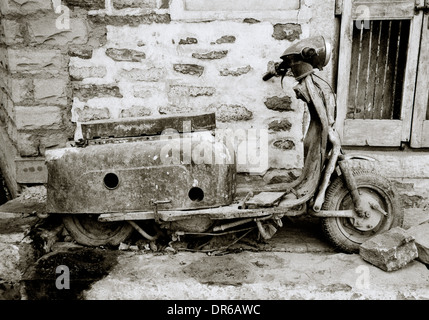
<point x="268" y="76"/>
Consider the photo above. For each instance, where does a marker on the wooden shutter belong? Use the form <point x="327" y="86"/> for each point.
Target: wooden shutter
<point x="420" y="129"/>
<point x="379" y="47"/>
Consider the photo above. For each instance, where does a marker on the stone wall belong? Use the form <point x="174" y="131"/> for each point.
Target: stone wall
<point x="64" y="62"/>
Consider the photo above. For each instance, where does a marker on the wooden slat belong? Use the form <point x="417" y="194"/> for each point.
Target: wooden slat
<point x="420" y="130"/>
<point x="383" y="66"/>
<point x="363" y="74"/>
<point x="344" y="61"/>
<point x="379" y="9"/>
<point x="425" y="134"/>
<point x="373" y="70"/>
<point x="383" y="9"/>
<point x="386" y="133"/>
<point x="134" y="127"/>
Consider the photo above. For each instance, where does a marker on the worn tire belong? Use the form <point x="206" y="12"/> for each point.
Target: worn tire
<point x="339" y="231"/>
<point x="88" y="231"/>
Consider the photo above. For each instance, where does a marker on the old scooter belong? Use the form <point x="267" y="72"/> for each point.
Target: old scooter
<point x="124" y="174"/>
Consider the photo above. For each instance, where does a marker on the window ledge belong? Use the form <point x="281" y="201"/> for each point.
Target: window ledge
<point x="270" y="10"/>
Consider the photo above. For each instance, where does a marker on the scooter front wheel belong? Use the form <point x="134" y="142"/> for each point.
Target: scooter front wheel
<point x="347" y="234"/>
<point x="87" y="230"/>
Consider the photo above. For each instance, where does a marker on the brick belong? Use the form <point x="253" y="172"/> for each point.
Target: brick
<point x="125" y="54"/>
<point x="136" y="74"/>
<point x="421" y="235"/>
<point x="144" y="4"/>
<point x="235" y="72"/>
<point x="36" y="117"/>
<point x="80" y="73"/>
<point x="35" y="60"/>
<point x="51" y="91"/>
<point x="49" y="31"/>
<point x="88" y="91"/>
<point x="24" y="7"/>
<point x="135" y="111"/>
<point x="287" y="31"/>
<point x="390" y="250"/>
<point x="284" y="144"/>
<point x="191" y="69"/>
<point x="279" y="103"/>
<point x="212" y="55"/>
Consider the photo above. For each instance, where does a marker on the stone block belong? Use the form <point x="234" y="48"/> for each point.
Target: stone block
<point x="230" y="112"/>
<point x="135" y="111"/>
<point x="279" y="103"/>
<point x="53" y="139"/>
<point x="80" y="52"/>
<point x="51" y="91"/>
<point x="192" y="91"/>
<point x="80" y="73"/>
<point x="125" y="54"/>
<point x="21" y="90"/>
<point x="11" y="32"/>
<point x="88" y="114"/>
<point x="24" y="7"/>
<point x="390" y="250"/>
<point x="27" y="144"/>
<point x="89" y="91"/>
<point x="212" y="55"/>
<point x="31" y="60"/>
<point x="235" y="72"/>
<point x="287" y="31"/>
<point x="144" y="4"/>
<point x="191" y="69"/>
<point x="225" y="39"/>
<point x="9" y="262"/>
<point x="131" y="20"/>
<point x="136" y="74"/>
<point x="188" y="40"/>
<point x="36" y="117"/>
<point x="421" y="235"/>
<point x="86" y="4"/>
<point x="50" y="31"/>
<point x="280" y="125"/>
<point x="284" y="144"/>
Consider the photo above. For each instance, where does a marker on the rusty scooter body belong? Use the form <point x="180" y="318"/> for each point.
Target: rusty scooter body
<point x="126" y="173"/>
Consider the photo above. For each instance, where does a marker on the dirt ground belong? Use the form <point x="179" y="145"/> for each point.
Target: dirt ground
<point x="296" y="264"/>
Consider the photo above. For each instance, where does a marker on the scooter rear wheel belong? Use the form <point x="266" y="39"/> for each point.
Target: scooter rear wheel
<point x="87" y="230"/>
<point x="348" y="234"/>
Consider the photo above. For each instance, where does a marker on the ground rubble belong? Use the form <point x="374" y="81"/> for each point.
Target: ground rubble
<point x="296" y="264"/>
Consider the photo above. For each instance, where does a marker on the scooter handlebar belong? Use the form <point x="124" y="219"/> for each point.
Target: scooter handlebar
<point x="268" y="76"/>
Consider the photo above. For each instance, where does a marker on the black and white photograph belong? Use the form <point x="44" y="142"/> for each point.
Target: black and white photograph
<point x="213" y="158"/>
